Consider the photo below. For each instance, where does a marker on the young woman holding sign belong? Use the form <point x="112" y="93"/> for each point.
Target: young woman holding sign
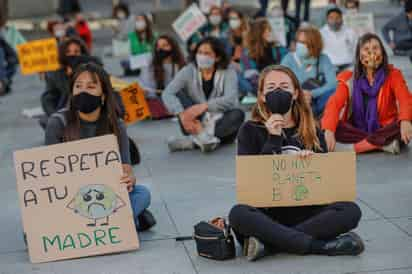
<point x="93" y="111"/>
<point x="372" y="106"/>
<point x="283" y="123"/>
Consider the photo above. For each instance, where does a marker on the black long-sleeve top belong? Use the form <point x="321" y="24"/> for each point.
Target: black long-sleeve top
<point x="254" y="139"/>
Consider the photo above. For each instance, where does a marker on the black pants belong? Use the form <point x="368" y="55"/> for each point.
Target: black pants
<point x="292" y="229"/>
<point x="306" y="7"/>
<point x="226" y="128"/>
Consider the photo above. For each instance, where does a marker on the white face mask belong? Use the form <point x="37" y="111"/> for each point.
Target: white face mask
<point x="215" y="19"/>
<point x="140" y="25"/>
<point x="60" y="33"/>
<point x="234" y="23"/>
<point x="121" y="15"/>
<point x="204" y="61"/>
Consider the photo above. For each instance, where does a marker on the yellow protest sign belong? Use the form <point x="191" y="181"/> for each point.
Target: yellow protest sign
<point x="72" y="202"/>
<point x="134" y="103"/>
<point x="38" y="56"/>
<point x="286" y="180"/>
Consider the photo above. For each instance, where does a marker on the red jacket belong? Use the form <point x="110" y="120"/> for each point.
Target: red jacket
<point x="84" y="32"/>
<point x="394" y="100"/>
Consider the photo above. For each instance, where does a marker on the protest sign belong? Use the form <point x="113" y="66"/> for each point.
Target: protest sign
<point x="140" y="61"/>
<point x="120" y="48"/>
<point x="189" y="22"/>
<point x="361" y="23"/>
<point x="38" y="56"/>
<point x="205" y="5"/>
<point x="278" y="29"/>
<point x="286" y="180"/>
<point x="134" y="103"/>
<point x="72" y="202"/>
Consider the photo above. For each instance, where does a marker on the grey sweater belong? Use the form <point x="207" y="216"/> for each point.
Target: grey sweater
<point x="401" y="28"/>
<point x="224" y="95"/>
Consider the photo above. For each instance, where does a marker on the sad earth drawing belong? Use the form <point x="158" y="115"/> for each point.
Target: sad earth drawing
<point x="96" y="202"/>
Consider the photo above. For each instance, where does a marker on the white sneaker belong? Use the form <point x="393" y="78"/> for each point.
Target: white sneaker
<point x="180" y="144"/>
<point x="206" y="142"/>
<point x="394" y="147"/>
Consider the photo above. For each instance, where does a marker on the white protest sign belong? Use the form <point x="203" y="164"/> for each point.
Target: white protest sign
<point x="140" y="61"/>
<point x="361" y="23"/>
<point x="205" y="5"/>
<point x="278" y="29"/>
<point x="189" y="22"/>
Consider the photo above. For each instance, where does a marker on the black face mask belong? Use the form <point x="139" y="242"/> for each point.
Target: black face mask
<point x="237" y="40"/>
<point x="86" y="103"/>
<point x="163" y="54"/>
<point x="278" y="101"/>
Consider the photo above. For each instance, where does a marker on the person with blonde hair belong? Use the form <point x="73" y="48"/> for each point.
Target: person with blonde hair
<point x="283" y="123"/>
<point x="314" y="70"/>
<point x="262" y="50"/>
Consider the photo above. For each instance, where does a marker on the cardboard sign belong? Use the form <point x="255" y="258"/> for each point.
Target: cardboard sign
<point x="278" y="29"/>
<point x="134" y="103"/>
<point x="189" y="22"/>
<point x="205" y="5"/>
<point x="361" y="23"/>
<point x="120" y="48"/>
<point x="140" y="61"/>
<point x="286" y="180"/>
<point x="72" y="202"/>
<point x="38" y="56"/>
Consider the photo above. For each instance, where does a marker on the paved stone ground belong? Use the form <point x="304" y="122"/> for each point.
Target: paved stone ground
<point x="189" y="187"/>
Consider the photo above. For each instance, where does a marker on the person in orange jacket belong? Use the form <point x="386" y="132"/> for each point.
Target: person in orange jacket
<point x="372" y="106"/>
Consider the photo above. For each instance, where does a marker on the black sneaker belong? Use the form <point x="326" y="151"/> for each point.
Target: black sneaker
<point x="146" y="221"/>
<point x="253" y="249"/>
<point x="346" y="244"/>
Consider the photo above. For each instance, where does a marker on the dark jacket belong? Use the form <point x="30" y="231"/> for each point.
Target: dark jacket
<point x="401" y="27"/>
<point x="57" y="91"/>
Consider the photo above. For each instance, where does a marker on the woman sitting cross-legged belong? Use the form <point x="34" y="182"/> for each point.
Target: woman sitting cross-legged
<point x="372" y="106"/>
<point x="204" y="96"/>
<point x="93" y="111"/>
<point x="283" y="123"/>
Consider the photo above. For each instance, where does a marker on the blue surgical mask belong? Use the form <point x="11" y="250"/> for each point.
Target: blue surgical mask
<point x="204" y="62"/>
<point x="302" y="50"/>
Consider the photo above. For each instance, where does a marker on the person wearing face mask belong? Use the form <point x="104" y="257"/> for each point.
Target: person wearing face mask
<point x="126" y="21"/>
<point x="339" y="40"/>
<point x="372" y="107"/>
<point x="167" y="61"/>
<point x="83" y="30"/>
<point x="216" y="26"/>
<point x="398" y="32"/>
<point x="282" y="123"/>
<point x="92" y="112"/>
<point x="235" y="47"/>
<point x="315" y="71"/>
<point x="8" y="66"/>
<point x="204" y="97"/>
<point x="141" y="40"/>
<point x="352" y="6"/>
<point x="57" y="82"/>
<point x="262" y="51"/>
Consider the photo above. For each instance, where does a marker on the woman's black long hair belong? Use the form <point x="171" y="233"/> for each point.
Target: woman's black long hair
<point x="108" y="122"/>
<point x="157" y="63"/>
<point x="359" y="70"/>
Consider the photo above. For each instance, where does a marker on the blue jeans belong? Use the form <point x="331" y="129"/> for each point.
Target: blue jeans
<point x="319" y="103"/>
<point x="245" y="87"/>
<point x="139" y="200"/>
